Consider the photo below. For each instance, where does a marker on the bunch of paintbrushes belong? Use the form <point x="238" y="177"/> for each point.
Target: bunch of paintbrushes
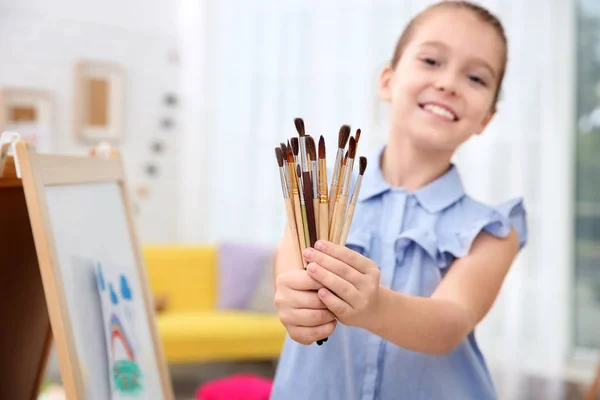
<point x="316" y="211"/>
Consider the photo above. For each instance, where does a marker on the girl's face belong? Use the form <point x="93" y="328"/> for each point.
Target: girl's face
<point x="442" y="89"/>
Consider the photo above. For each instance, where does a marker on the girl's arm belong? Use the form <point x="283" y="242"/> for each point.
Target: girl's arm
<point x="465" y="295"/>
<point x="430" y="325"/>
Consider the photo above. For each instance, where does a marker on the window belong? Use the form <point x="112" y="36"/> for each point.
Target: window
<point x="587" y="189"/>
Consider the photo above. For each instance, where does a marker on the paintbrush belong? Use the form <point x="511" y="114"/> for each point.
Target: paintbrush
<point x="295" y="149"/>
<point x="340" y="208"/>
<point x="323" y="231"/>
<point x="296" y="202"/>
<point x="311" y="148"/>
<point x="288" y="202"/>
<point x="362" y="166"/>
<point x="285" y="166"/>
<point x="303" y="206"/>
<point x="336" y="196"/>
<point x="357" y="137"/>
<point x="306" y="183"/>
<point x="343" y="136"/>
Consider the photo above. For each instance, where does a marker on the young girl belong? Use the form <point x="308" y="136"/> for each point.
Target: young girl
<point x="423" y="262"/>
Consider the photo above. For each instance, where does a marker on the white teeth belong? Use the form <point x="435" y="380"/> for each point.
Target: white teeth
<point x="442" y="112"/>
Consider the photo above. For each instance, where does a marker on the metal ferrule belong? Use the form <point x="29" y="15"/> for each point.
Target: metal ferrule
<point x="322" y="182"/>
<point x="354" y="198"/>
<point x="284" y="185"/>
<point x="347" y="175"/>
<point x="303" y="156"/>
<point x="293" y="181"/>
<point x="301" y="191"/>
<point x="287" y="176"/>
<point x="337" y="166"/>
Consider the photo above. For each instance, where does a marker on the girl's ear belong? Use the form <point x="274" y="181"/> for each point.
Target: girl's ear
<point x="385" y="83"/>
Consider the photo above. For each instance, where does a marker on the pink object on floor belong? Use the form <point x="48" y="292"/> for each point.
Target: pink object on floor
<point x="236" y="387"/>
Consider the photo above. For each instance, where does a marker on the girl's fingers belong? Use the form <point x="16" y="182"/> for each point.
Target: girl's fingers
<point x="308" y="335"/>
<point x="308" y="318"/>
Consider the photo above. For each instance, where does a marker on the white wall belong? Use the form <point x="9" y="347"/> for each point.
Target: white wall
<point x="41" y="40"/>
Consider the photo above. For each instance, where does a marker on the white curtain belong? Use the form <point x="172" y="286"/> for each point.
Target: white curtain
<point x="254" y="65"/>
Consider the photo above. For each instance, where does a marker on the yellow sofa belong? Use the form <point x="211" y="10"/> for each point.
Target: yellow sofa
<point x="192" y="329"/>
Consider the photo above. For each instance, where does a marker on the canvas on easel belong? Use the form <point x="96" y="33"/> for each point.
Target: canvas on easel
<point x="80" y="224"/>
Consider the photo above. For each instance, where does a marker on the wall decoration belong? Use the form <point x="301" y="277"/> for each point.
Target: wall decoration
<point x="157" y="147"/>
<point x="166" y="123"/>
<point x="30" y="113"/>
<point x="171" y="100"/>
<point x="151" y="170"/>
<point x="99" y="112"/>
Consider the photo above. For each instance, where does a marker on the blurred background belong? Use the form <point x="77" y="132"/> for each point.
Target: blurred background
<point x="196" y="93"/>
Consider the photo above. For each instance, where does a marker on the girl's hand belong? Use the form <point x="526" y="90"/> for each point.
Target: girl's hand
<point x="350" y="280"/>
<point x="300" y="309"/>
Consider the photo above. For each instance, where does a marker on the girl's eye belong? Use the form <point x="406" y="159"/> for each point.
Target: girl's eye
<point x="477" y="80"/>
<point x="430" y="61"/>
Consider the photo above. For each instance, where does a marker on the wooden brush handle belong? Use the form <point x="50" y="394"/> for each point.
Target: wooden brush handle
<point x="317" y="212"/>
<point x="292" y="226"/>
<point x="323" y="221"/>
<point x="332" y="200"/>
<point x="334" y="221"/>
<point x="347" y="223"/>
<point x="305" y="226"/>
<point x="299" y="227"/>
<point x="340" y="209"/>
<point x="310" y="209"/>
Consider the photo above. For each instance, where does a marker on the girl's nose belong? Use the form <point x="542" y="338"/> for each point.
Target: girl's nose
<point x="446" y="83"/>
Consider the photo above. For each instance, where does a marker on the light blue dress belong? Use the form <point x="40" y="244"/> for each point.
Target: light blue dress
<point x="413" y="238"/>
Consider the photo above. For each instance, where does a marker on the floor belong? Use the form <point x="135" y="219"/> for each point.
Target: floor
<point x="510" y="386"/>
<point x="186" y="379"/>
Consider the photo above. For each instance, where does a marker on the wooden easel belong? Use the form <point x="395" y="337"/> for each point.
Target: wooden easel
<point x="27" y="336"/>
<point x="34" y="310"/>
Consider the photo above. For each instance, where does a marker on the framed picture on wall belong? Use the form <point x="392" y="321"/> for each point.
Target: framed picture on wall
<point x="99" y="102"/>
<point x="30" y="113"/>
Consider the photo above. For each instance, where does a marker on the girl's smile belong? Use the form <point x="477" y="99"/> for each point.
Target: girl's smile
<point x="439" y="110"/>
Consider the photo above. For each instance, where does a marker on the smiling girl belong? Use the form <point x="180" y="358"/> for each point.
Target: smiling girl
<point x="423" y="262"/>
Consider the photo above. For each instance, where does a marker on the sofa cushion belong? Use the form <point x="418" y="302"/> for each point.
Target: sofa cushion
<point x="185" y="275"/>
<point x="240" y="269"/>
<point x="220" y="336"/>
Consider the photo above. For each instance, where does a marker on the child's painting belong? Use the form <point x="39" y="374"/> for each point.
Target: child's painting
<point x="121" y="319"/>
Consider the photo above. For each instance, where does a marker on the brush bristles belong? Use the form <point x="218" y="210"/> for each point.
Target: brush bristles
<point x="283" y="149"/>
<point x="311" y="148"/>
<point x="362" y="165"/>
<point x="295" y="147"/>
<point x="357" y="135"/>
<point x="289" y="155"/>
<point x="343" y="136"/>
<point x="346" y="157"/>
<point x="300" y="126"/>
<point x="352" y="148"/>
<point x="279" y="155"/>
<point x="322" y="147"/>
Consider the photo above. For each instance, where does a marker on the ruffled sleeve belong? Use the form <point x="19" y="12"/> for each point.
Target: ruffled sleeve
<point x="497" y="221"/>
<point x="452" y="233"/>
